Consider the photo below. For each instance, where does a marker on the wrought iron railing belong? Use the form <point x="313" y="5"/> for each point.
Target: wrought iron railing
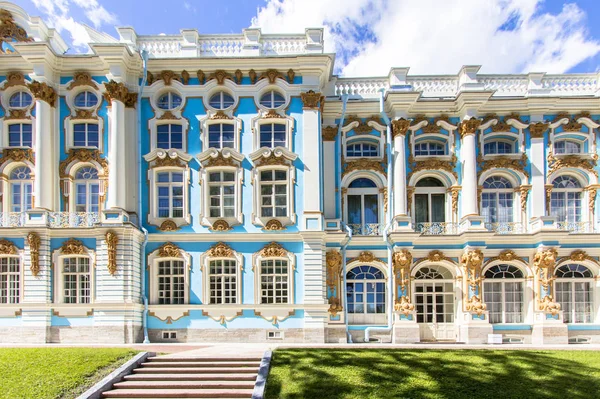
<point x="576" y="227"/>
<point x="437" y="228"/>
<point x="73" y="219"/>
<point x="368" y="229"/>
<point x="506" y="228"/>
<point x="12" y="219"/>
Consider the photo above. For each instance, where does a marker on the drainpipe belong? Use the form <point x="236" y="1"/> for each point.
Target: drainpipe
<point x="385" y="233"/>
<point x="343" y="288"/>
<point x="144" y="55"/>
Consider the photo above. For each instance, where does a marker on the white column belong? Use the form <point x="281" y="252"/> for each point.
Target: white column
<point x="399" y="172"/>
<point x="43" y="186"/>
<point x="469" y="173"/>
<point x="311" y="157"/>
<point x="537" y="156"/>
<point x="329" y="176"/>
<point x="117" y="184"/>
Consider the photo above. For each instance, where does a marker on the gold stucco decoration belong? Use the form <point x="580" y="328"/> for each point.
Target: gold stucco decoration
<point x="503" y="162"/>
<point x="468" y="127"/>
<point x="272" y="75"/>
<point x="33" y="240"/>
<point x="220" y="115"/>
<point x="272" y="114"/>
<point x="402" y="261"/>
<point x="410" y="190"/>
<point x="571" y="161"/>
<point x="17" y="155"/>
<point x="17" y="114"/>
<point x="252" y="76"/>
<point x="167" y="77"/>
<point x="72" y="247"/>
<point x="329" y="133"/>
<point x="82" y="79"/>
<point x="7" y="247"/>
<point x="572" y="125"/>
<point x="524" y="192"/>
<point x="363" y="127"/>
<point x="311" y="99"/>
<point x="185" y="77"/>
<point x="271" y="160"/>
<point x="363" y="164"/>
<point x="472" y="262"/>
<point x="168" y="225"/>
<point x="238" y="75"/>
<point x="333" y="260"/>
<point x="548" y="305"/>
<point x="592" y="191"/>
<point x="475" y="305"/>
<point x="220" y="160"/>
<point x="274" y="225"/>
<point x="291" y="75"/>
<point x="119" y="92"/>
<point x="433" y="164"/>
<point x="169" y="250"/>
<point x="112" y="240"/>
<point x="168" y="115"/>
<point x="220" y="250"/>
<point x="578" y="255"/>
<point x="508" y="255"/>
<point x="544" y="263"/>
<point x="221" y="225"/>
<point x="537" y="130"/>
<point x="168" y="161"/>
<point x="220" y="75"/>
<point x="403" y="305"/>
<point x="83" y="155"/>
<point x="273" y="250"/>
<point x="201" y="76"/>
<point x="14" y="79"/>
<point x="41" y="91"/>
<point x="10" y="31"/>
<point x="400" y="127"/>
<point x="454" y="192"/>
<point x="365" y="257"/>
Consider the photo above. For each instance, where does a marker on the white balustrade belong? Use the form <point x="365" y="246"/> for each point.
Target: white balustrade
<point x="12" y="219"/>
<point x="367" y="229"/>
<point x="73" y="219"/>
<point x="576" y="227"/>
<point x="506" y="228"/>
<point x="437" y="228"/>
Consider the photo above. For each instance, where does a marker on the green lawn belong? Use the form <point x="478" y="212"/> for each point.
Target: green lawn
<point x="385" y="373"/>
<point x="50" y="373"/>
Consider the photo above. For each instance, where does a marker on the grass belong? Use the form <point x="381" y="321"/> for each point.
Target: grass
<point x="51" y="373"/>
<point x="382" y="373"/>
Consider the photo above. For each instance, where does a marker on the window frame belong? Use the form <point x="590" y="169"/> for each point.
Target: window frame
<point x="170" y="133"/>
<point x="502" y="280"/>
<point x="170" y="94"/>
<point x="429" y="143"/>
<point x="282" y="254"/>
<point x="153" y="217"/>
<point x="86" y="91"/>
<point x="238" y="177"/>
<point x="498" y="141"/>
<point x="566" y="141"/>
<point x="153" y="125"/>
<point x="218" y="119"/>
<point x="88" y="184"/>
<point x="205" y="258"/>
<point x="497" y="191"/>
<point x="9" y="182"/>
<point x="21" y="123"/>
<point x="221" y="93"/>
<point x="286" y="120"/>
<point x="578" y="190"/>
<point x="272" y="91"/>
<point x="57" y="260"/>
<point x="571" y="281"/>
<point x="154" y="258"/>
<point x="21" y="107"/>
<point x="21" y="280"/>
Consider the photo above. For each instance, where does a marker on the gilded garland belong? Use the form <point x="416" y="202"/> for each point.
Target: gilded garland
<point x="220" y="250"/>
<point x="169" y="250"/>
<point x="362" y="164"/>
<point x="333" y="260"/>
<point x="17" y="155"/>
<point x="83" y="155"/>
<point x="503" y="162"/>
<point x="112" y="239"/>
<point x="34" y="250"/>
<point x="72" y="247"/>
<point x="571" y="161"/>
<point x="7" y="247"/>
<point x="273" y="250"/>
<point x="433" y="164"/>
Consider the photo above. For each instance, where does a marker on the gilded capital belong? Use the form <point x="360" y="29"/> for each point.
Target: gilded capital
<point x="400" y="127"/>
<point x="311" y="99"/>
<point x="41" y="91"/>
<point x="118" y="91"/>
<point x="329" y="133"/>
<point x="537" y="130"/>
<point x="468" y="127"/>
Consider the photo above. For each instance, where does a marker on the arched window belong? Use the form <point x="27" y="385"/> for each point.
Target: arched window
<point x="363" y="207"/>
<point x="20" y="100"/>
<point x="565" y="200"/>
<point x="430" y="203"/>
<point x="365" y="291"/>
<point x="497" y="200"/>
<point x="273" y="135"/>
<point x="20" y="135"/>
<point x="221" y="100"/>
<point x="169" y="136"/>
<point x="10" y="279"/>
<point x="87" y="189"/>
<point x="503" y="294"/>
<point x="85" y="99"/>
<point x="497" y="147"/>
<point x="169" y="101"/>
<point x="573" y="289"/>
<point x="85" y="135"/>
<point x="362" y="150"/>
<point x="429" y="148"/>
<point x="222" y="135"/>
<point x="272" y="99"/>
<point x="434" y="302"/>
<point x="21" y="189"/>
<point x="567" y="147"/>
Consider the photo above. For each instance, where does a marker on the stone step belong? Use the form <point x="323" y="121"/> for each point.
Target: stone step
<point x="178" y="393"/>
<point x="192" y="377"/>
<point x="195" y="370"/>
<point x="252" y="364"/>
<point x="204" y="359"/>
<point x="184" y="385"/>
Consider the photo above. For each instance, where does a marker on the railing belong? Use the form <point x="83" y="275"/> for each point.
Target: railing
<point x="73" y="219"/>
<point x="220" y="46"/>
<point x="12" y="219"/>
<point x="369" y="229"/>
<point x="437" y="228"/>
<point x="506" y="228"/>
<point x="576" y="227"/>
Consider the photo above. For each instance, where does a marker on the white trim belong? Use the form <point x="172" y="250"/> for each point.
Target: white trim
<point x="260" y="120"/>
<point x="205" y="259"/>
<point x="4" y="126"/>
<point x="153" y="260"/>
<point x="159" y="89"/>
<point x="153" y="128"/>
<point x="153" y="217"/>
<point x="57" y="261"/>
<point x="5" y="182"/>
<point x="69" y="129"/>
<point x="205" y="218"/>
<point x="280" y="86"/>
<point x="69" y="183"/>
<point x="212" y="87"/>
<point x="291" y="270"/>
<point x="21" y="257"/>
<point x="209" y="119"/>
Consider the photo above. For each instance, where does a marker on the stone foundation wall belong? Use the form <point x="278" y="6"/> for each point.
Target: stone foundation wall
<point x="593" y="336"/>
<point x="97" y="335"/>
<point x="290" y="335"/>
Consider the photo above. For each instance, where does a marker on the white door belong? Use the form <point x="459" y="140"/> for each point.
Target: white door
<point x="434" y="302"/>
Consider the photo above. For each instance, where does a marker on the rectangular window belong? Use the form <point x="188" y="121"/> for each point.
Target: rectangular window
<point x="169" y="136"/>
<point x="10" y="280"/>
<point x="273" y="135"/>
<point x="274" y="281"/>
<point x="221" y="189"/>
<point x="169" y="194"/>
<point x="21" y="196"/>
<point x="171" y="282"/>
<point x="87" y="197"/>
<point x="223" y="281"/>
<point x="76" y="280"/>
<point x="19" y="135"/>
<point x="575" y="298"/>
<point x="566" y="206"/>
<point x="273" y="193"/>
<point x="85" y="135"/>
<point x="221" y="135"/>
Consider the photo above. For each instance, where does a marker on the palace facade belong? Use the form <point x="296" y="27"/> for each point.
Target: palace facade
<point x="203" y="188"/>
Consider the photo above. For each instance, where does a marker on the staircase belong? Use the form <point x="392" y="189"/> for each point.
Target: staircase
<point x="186" y="377"/>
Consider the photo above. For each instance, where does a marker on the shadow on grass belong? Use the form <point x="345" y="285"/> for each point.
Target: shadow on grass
<point x="331" y="373"/>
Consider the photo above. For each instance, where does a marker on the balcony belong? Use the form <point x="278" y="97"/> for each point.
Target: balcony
<point x="73" y="219"/>
<point x="12" y="219"/>
<point x="436" y="228"/>
<point x="369" y="229"/>
<point x="506" y="228"/>
<point x="576" y="227"/>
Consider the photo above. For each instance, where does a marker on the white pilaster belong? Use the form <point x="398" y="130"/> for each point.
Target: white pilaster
<point x="469" y="175"/>
<point x="399" y="174"/>
<point x="311" y="122"/>
<point x="117" y="183"/>
<point x="329" y="178"/>
<point x="537" y="156"/>
<point x="44" y="181"/>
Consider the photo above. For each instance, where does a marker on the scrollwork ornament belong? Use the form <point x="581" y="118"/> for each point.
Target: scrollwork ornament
<point x="33" y="240"/>
<point x="10" y="31"/>
<point x="169" y="250"/>
<point x="7" y="247"/>
<point x="333" y="260"/>
<point x="402" y="261"/>
<point x="82" y="79"/>
<point x="168" y="225"/>
<point x="274" y="225"/>
<point x="329" y="133"/>
<point x="400" y="127"/>
<point x="475" y="305"/>
<point x="72" y="247"/>
<point x="221" y="225"/>
<point x="544" y="263"/>
<point x="472" y="262"/>
<point x="41" y="91"/>
<point x="537" y="130"/>
<point x="112" y="240"/>
<point x="363" y="164"/>
<point x="220" y="250"/>
<point x="403" y="305"/>
<point x="468" y="127"/>
<point x="311" y="99"/>
<point x="571" y="161"/>
<point x="14" y="79"/>
<point x="273" y="250"/>
<point x="117" y="91"/>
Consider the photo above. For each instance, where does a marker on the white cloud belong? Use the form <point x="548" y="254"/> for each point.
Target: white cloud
<point x="58" y="15"/>
<point x="438" y="36"/>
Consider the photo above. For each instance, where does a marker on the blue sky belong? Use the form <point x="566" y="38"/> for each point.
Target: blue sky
<point x="370" y="36"/>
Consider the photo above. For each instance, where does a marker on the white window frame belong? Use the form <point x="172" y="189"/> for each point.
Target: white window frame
<point x="238" y="180"/>
<point x="58" y="259"/>
<point x="153" y="259"/>
<point x="170" y="185"/>
<point x="579" y="143"/>
<point x="69" y="182"/>
<point x="256" y="267"/>
<point x="499" y="141"/>
<point x="153" y="127"/>
<point x="8" y="124"/>
<point x="214" y="119"/>
<point x="205" y="260"/>
<point x="88" y="184"/>
<point x="220" y="93"/>
<point x="580" y="136"/>
<point x="22" y="91"/>
<point x="19" y="257"/>
<point x="447" y="141"/>
<point x="6" y="183"/>
<point x="362" y="191"/>
<point x="169" y="94"/>
<point x="582" y="199"/>
<point x="72" y="120"/>
<point x="268" y="89"/>
<point x="359" y="140"/>
<point x="503" y="281"/>
<point x="5" y="96"/>
<point x="511" y="191"/>
<point x="571" y="280"/>
<point x="286" y="120"/>
<point x="429" y="143"/>
<point x="429" y="191"/>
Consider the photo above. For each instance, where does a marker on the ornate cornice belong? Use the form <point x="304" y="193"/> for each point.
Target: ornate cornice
<point x="82" y="79"/>
<point x="119" y="92"/>
<point x="468" y="127"/>
<point x="72" y="247"/>
<point x="169" y="250"/>
<point x="112" y="239"/>
<point x="433" y="164"/>
<point x="10" y="31"/>
<point x="537" y="130"/>
<point x="221" y="225"/>
<point x="274" y="225"/>
<point x="400" y="127"/>
<point x="33" y="240"/>
<point x="362" y="164"/>
<point x="329" y="133"/>
<point x="17" y="155"/>
<point x="273" y="250"/>
<point x="571" y="161"/>
<point x="503" y="162"/>
<point x="41" y="91"/>
<point x="311" y="99"/>
<point x="83" y="155"/>
<point x="7" y="247"/>
<point x="168" y="225"/>
<point x="220" y="250"/>
<point x="14" y="79"/>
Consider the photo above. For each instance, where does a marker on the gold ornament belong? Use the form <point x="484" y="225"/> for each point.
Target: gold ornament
<point x="112" y="239"/>
<point x="34" y="250"/>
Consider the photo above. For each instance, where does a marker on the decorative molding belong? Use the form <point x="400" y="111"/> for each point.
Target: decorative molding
<point x="17" y="114"/>
<point x="402" y="261"/>
<point x="537" y="130"/>
<point x="220" y="115"/>
<point x="524" y="192"/>
<point x="400" y="127"/>
<point x="272" y="114"/>
<point x="433" y="164"/>
<point x="384" y="192"/>
<point x="472" y="262"/>
<point x="273" y="250"/>
<point x="592" y="191"/>
<point x="7" y="247"/>
<point x="468" y="127"/>
<point x="13" y="78"/>
<point x="112" y="239"/>
<point x="72" y="247"/>
<point x="169" y="319"/>
<point x="435" y="256"/>
<point x="238" y="75"/>
<point x="221" y="225"/>
<point x="410" y="190"/>
<point x="17" y="155"/>
<point x="311" y="99"/>
<point x="454" y="192"/>
<point x="572" y="125"/>
<point x="275" y="319"/>
<point x="168" y="115"/>
<point x="220" y="250"/>
<point x="365" y="257"/>
<point x="169" y="250"/>
<point x="274" y="225"/>
<point x="272" y="75"/>
<point x="41" y="91"/>
<point x="33" y="240"/>
<point x="548" y="188"/>
<point x="503" y="162"/>
<point x="333" y="260"/>
<point x="578" y="255"/>
<point x="185" y="77"/>
<point x="82" y="155"/>
<point x="167" y="76"/>
<point x="84" y="114"/>
<point x="82" y="79"/>
<point x="220" y="75"/>
<point x="201" y="77"/>
<point x="118" y="91"/>
<point x="168" y="225"/>
<point x="571" y="161"/>
<point x="329" y="133"/>
<point x="507" y="255"/>
<point x="548" y="305"/>
<point x="362" y="164"/>
<point x="223" y="319"/>
<point x="219" y="159"/>
<point x="363" y="127"/>
<point x="10" y="31"/>
<point x="544" y="263"/>
<point x="252" y="76"/>
<point x="475" y="305"/>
